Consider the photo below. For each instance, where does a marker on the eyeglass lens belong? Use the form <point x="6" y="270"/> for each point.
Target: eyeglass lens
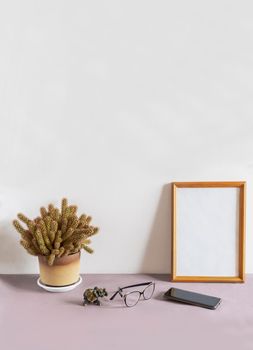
<point x="132" y="298"/>
<point x="148" y="291"/>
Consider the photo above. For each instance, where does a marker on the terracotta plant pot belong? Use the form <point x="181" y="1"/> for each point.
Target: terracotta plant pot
<point x="65" y="271"/>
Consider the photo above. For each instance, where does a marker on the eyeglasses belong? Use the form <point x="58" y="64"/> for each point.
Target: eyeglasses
<point x="132" y="298"/>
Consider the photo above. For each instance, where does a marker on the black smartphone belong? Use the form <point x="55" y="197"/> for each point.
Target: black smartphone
<point x="187" y="297"/>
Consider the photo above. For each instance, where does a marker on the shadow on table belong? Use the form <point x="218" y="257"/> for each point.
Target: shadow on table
<point x="157" y="256"/>
<point x="160" y="296"/>
<point x="159" y="277"/>
<point x="22" y="282"/>
<point x="105" y="304"/>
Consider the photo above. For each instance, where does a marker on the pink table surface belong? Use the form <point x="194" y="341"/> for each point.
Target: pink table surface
<point x="31" y="318"/>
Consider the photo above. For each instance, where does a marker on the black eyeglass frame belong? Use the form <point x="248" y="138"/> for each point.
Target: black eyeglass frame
<point x="147" y="284"/>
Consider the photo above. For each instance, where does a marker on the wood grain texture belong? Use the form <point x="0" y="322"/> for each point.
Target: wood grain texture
<point x="242" y="219"/>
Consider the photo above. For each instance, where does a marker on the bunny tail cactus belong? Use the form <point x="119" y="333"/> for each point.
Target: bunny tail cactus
<point x="56" y="232"/>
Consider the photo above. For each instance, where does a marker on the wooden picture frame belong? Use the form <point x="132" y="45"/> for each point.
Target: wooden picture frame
<point x="208" y="231"/>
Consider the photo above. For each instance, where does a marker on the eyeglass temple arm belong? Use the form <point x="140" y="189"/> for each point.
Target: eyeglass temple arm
<point x="133" y="285"/>
<point x="118" y="292"/>
<point x="137" y="285"/>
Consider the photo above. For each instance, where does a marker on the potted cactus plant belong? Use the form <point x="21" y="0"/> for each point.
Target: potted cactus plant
<point x="57" y="238"/>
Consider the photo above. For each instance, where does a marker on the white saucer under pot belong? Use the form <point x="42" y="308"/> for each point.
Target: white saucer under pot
<point x="61" y="289"/>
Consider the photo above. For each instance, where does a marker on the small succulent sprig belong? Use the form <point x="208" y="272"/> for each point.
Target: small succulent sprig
<point x="56" y="232"/>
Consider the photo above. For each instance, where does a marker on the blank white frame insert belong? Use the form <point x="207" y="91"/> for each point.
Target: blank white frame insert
<point x="208" y="224"/>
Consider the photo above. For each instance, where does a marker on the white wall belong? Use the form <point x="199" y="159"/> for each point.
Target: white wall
<point x="106" y="102"/>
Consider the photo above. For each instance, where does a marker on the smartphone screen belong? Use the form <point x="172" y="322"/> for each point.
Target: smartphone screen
<point x="188" y="297"/>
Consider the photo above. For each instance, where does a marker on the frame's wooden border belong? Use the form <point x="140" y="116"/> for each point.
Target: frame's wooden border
<point x="242" y="215"/>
